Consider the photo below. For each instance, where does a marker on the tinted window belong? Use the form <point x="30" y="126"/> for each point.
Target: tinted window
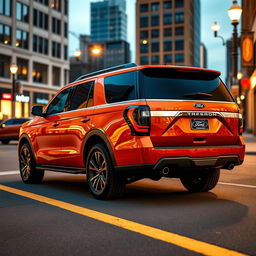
<point x="82" y="97"/>
<point x="20" y="121"/>
<point x="172" y="84"/>
<point x="120" y="87"/>
<point x="59" y="102"/>
<point x="8" y="122"/>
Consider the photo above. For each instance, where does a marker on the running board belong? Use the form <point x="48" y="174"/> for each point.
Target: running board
<point x="73" y="170"/>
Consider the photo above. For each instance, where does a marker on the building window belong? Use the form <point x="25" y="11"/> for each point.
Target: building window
<point x="167" y="31"/>
<point x="179" y="44"/>
<point x="167" y="18"/>
<point x="179" y="17"/>
<point x="167" y="58"/>
<point x="22" y="13"/>
<point x="155" y="47"/>
<point x="66" y="7"/>
<point x="56" y="26"/>
<point x="44" y="2"/>
<point x="21" y="39"/>
<point x="56" y="5"/>
<point x="5" y="63"/>
<point x="5" y="7"/>
<point x="40" y="44"/>
<point x="56" y="76"/>
<point x="155" y="59"/>
<point x="179" y="31"/>
<point x="66" y="29"/>
<point x="143" y="60"/>
<point x="40" y="19"/>
<point x="179" y="57"/>
<point x="5" y="34"/>
<point x="155" y="20"/>
<point x="144" y="34"/>
<point x="168" y="4"/>
<point x="154" y="33"/>
<point x="143" y="21"/>
<point x="143" y="48"/>
<point x="56" y="49"/>
<point x="40" y="73"/>
<point x="22" y="73"/>
<point x="167" y="45"/>
<point x="66" y="75"/>
<point x="144" y="8"/>
<point x="179" y="3"/>
<point x="154" y="7"/>
<point x="65" y="52"/>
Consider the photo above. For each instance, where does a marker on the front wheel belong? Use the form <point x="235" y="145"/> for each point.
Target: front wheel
<point x="27" y="165"/>
<point x="103" y="182"/>
<point x="201" y="180"/>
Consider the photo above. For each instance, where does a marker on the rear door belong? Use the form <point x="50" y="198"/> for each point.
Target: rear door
<point x="189" y="107"/>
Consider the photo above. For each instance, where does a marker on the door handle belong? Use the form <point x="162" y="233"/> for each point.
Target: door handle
<point x="56" y="124"/>
<point x="86" y="119"/>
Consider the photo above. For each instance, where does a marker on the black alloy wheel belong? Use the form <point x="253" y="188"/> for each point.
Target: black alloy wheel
<point x="103" y="182"/>
<point x="27" y="165"/>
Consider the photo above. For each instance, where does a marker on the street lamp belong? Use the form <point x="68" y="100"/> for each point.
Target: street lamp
<point x="13" y="69"/>
<point x="234" y="13"/>
<point x="77" y="54"/>
<point x="216" y="27"/>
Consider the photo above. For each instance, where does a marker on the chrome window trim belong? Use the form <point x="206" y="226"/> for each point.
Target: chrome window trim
<point x="195" y="114"/>
<point x="208" y="101"/>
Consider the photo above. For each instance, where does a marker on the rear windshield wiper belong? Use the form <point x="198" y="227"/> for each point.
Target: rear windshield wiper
<point x="198" y="95"/>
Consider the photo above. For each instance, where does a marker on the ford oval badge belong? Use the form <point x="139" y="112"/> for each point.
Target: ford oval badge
<point x="199" y="105"/>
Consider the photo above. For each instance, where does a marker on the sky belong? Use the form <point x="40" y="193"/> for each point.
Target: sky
<point x="211" y="11"/>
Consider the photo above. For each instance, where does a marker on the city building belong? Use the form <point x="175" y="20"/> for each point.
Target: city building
<point x="34" y="36"/>
<point x="108" y="20"/>
<point x="248" y="62"/>
<point x="203" y="56"/>
<point x="168" y="32"/>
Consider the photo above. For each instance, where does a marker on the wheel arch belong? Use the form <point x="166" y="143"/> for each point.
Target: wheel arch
<point x="94" y="137"/>
<point x="24" y="138"/>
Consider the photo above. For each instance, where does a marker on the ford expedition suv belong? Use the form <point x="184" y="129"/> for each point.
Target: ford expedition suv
<point x="131" y="122"/>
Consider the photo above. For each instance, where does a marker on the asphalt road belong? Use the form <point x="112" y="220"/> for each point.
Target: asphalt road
<point x="225" y="217"/>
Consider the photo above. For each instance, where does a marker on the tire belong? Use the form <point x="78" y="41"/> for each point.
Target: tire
<point x="102" y="180"/>
<point x="201" y="181"/>
<point x="5" y="142"/>
<point x="27" y="166"/>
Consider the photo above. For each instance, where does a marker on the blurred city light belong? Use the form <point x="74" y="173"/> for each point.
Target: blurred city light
<point x="13" y="69"/>
<point x="96" y="50"/>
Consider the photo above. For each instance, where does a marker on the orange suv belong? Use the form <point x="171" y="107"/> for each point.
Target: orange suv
<point x="131" y="122"/>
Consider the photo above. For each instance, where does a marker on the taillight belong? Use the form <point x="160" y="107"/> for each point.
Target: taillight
<point x="240" y="124"/>
<point x="138" y="119"/>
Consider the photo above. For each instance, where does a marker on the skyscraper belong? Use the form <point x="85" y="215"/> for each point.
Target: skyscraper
<point x="108" y="20"/>
<point x="168" y="32"/>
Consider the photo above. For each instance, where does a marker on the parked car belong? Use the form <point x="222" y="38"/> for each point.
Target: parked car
<point x="9" y="129"/>
<point x="132" y="122"/>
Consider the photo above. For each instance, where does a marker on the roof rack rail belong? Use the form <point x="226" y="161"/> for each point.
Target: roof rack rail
<point x="128" y="65"/>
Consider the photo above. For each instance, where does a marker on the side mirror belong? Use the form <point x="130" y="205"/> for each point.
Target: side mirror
<point x="37" y="111"/>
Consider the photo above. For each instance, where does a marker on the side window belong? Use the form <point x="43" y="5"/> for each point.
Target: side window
<point x="83" y="96"/>
<point x="59" y="102"/>
<point x="120" y="87"/>
<point x="9" y="122"/>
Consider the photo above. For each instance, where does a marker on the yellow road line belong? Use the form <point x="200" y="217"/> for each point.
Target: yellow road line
<point x="181" y="241"/>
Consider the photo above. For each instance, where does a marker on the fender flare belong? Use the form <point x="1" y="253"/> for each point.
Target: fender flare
<point x="101" y="135"/>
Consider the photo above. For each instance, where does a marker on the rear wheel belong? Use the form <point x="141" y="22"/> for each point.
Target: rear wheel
<point x="27" y="165"/>
<point x="103" y="182"/>
<point x="5" y="142"/>
<point x="201" y="181"/>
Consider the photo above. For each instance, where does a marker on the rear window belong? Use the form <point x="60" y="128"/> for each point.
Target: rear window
<point x="167" y="83"/>
<point x="120" y="87"/>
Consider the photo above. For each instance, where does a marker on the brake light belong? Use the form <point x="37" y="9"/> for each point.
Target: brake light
<point x="138" y="119"/>
<point x="240" y="124"/>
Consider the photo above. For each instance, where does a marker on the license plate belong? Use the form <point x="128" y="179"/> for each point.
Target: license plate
<point x="199" y="124"/>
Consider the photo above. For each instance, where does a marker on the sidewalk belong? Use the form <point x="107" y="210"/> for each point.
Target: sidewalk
<point x="250" y="143"/>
